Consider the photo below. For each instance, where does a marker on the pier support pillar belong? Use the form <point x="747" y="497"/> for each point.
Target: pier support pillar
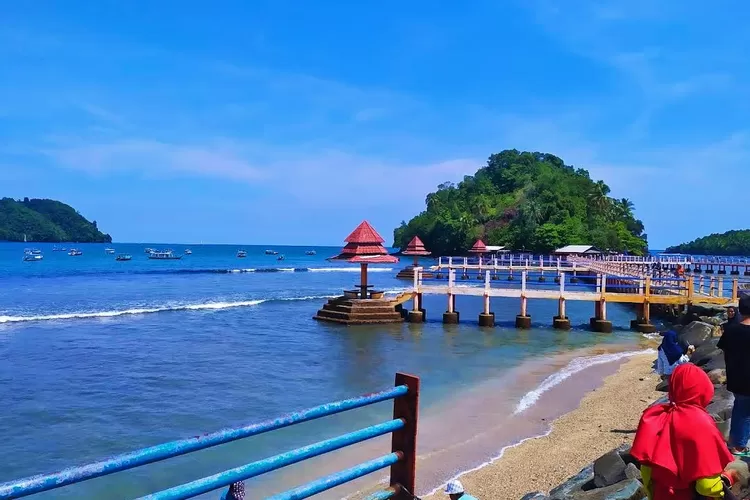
<point x="487" y="320"/>
<point x="523" y="322"/>
<point x="559" y="323"/>
<point x="542" y="279"/>
<point x="416" y="317"/>
<point x="450" y="317"/>
<point x="599" y="322"/>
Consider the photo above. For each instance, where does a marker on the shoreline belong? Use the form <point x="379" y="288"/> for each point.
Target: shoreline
<point x="605" y="418"/>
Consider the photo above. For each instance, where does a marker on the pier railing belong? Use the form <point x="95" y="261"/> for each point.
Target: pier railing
<point x="401" y="459"/>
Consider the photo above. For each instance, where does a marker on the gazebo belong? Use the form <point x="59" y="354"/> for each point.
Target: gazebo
<point x="479" y="248"/>
<point x="416" y="249"/>
<point x="365" y="246"/>
<point x="358" y="307"/>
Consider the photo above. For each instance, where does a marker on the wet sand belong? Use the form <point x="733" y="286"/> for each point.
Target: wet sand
<point x="605" y="419"/>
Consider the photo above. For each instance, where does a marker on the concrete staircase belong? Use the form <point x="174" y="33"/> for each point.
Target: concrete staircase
<point x="360" y="311"/>
<point x="407" y="273"/>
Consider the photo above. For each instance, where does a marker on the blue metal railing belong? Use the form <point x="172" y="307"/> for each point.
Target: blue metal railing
<point x="402" y="458"/>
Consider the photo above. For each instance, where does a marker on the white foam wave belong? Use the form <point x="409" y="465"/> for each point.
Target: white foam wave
<point x="206" y="306"/>
<point x="575" y="366"/>
<point x="348" y="269"/>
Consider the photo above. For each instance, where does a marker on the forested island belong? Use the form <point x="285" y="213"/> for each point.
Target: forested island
<point x="525" y="201"/>
<point x="734" y="243"/>
<point x="46" y="221"/>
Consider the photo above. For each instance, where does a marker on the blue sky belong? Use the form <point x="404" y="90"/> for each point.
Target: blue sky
<point x="290" y="121"/>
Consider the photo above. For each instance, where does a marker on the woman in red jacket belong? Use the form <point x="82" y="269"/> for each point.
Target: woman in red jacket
<point x="678" y="445"/>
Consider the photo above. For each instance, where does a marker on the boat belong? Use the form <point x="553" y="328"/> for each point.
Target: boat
<point x="149" y="250"/>
<point x="164" y="255"/>
<point x="241" y="254"/>
<point x="271" y="252"/>
<point x="32" y="251"/>
<point x="74" y="252"/>
<point x="280" y="257"/>
<point x="188" y="251"/>
<point x="30" y="256"/>
<point x="311" y="252"/>
<point x="123" y="257"/>
<point x="109" y="251"/>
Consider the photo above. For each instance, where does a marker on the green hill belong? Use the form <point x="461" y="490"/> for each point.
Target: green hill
<point x="46" y="221"/>
<point x="526" y="201"/>
<point x="736" y="243"/>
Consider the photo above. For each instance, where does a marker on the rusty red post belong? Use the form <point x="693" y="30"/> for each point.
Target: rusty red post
<point x="404" y="472"/>
<point x="363" y="280"/>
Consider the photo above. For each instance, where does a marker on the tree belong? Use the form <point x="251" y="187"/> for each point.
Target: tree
<point x="524" y="200"/>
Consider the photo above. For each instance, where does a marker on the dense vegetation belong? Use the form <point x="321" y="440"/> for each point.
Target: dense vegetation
<point x="525" y="201"/>
<point x="735" y="243"/>
<point x="46" y="221"/>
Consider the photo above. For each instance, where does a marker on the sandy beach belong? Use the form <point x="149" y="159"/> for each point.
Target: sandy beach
<point x="606" y="418"/>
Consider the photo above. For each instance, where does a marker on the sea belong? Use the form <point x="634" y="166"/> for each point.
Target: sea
<point x="99" y="357"/>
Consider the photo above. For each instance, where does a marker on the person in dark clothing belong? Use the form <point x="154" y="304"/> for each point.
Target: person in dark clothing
<point x="735" y="342"/>
<point x="671" y="353"/>
<point x="733" y="317"/>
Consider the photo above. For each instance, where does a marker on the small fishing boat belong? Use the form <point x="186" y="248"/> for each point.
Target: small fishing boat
<point x="164" y="255"/>
<point x="311" y="252"/>
<point x="241" y="254"/>
<point x="109" y="251"/>
<point x="271" y="252"/>
<point x="30" y="256"/>
<point x="188" y="251"/>
<point x="74" y="252"/>
<point x="280" y="257"/>
<point x="149" y="250"/>
<point x="32" y="251"/>
<point x="123" y="257"/>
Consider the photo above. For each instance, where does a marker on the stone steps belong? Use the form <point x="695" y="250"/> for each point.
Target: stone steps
<point x="359" y="311"/>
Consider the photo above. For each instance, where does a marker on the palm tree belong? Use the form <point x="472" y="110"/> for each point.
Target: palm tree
<point x="625" y="207"/>
<point x="598" y="199"/>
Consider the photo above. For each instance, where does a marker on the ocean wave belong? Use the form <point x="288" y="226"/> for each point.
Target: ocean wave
<point x="575" y="366"/>
<point x="203" y="306"/>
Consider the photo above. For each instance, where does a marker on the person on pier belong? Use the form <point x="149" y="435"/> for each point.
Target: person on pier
<point x="455" y="490"/>
<point x="735" y="342"/>
<point x="671" y="353"/>
<point x="733" y="318"/>
<point x="679" y="447"/>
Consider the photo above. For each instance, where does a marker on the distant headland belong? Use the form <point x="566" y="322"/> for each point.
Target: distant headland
<point x="40" y="220"/>
<point x="734" y="243"/>
<point x="526" y="201"/>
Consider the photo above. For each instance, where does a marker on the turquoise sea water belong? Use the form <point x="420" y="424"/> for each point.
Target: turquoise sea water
<point x="100" y="357"/>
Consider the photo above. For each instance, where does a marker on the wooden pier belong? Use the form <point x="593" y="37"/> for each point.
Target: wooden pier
<point x="643" y="291"/>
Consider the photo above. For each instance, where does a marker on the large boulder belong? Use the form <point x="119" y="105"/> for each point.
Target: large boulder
<point x="708" y="310"/>
<point x="705" y="352"/>
<point x="696" y="333"/>
<point x="629" y="489"/>
<point x="536" y="495"/>
<point x="720" y="407"/>
<point x="711" y="320"/>
<point x="609" y="469"/>
<point x="716" y="363"/>
<point x="663" y="386"/>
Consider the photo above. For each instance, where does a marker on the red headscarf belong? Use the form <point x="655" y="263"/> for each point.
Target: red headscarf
<point x="679" y="440"/>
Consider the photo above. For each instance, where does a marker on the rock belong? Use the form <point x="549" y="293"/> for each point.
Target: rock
<point x="711" y="320"/>
<point x="536" y="495"/>
<point x="629" y="489"/>
<point x="708" y="310"/>
<point x="718" y="376"/>
<point x="705" y="352"/>
<point x="609" y="469"/>
<point x="663" y="386"/>
<point x="716" y="363"/>
<point x="696" y="333"/>
<point x="575" y="484"/>
<point x="721" y="405"/>
<point x="632" y="472"/>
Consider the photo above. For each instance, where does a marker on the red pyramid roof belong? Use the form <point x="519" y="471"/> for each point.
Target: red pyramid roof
<point x="415" y="247"/>
<point x="364" y="233"/>
<point x="479" y="247"/>
<point x="364" y="244"/>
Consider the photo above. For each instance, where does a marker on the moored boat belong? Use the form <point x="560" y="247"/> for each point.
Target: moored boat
<point x="280" y="257"/>
<point x="109" y="251"/>
<point x="311" y="252"/>
<point x="241" y="254"/>
<point x="32" y="256"/>
<point x="74" y="252"/>
<point x="164" y="255"/>
<point x="123" y="257"/>
<point x="188" y="251"/>
<point x="271" y="252"/>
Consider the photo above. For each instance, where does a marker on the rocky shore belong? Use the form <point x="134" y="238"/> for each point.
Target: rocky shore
<point x="615" y="475"/>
